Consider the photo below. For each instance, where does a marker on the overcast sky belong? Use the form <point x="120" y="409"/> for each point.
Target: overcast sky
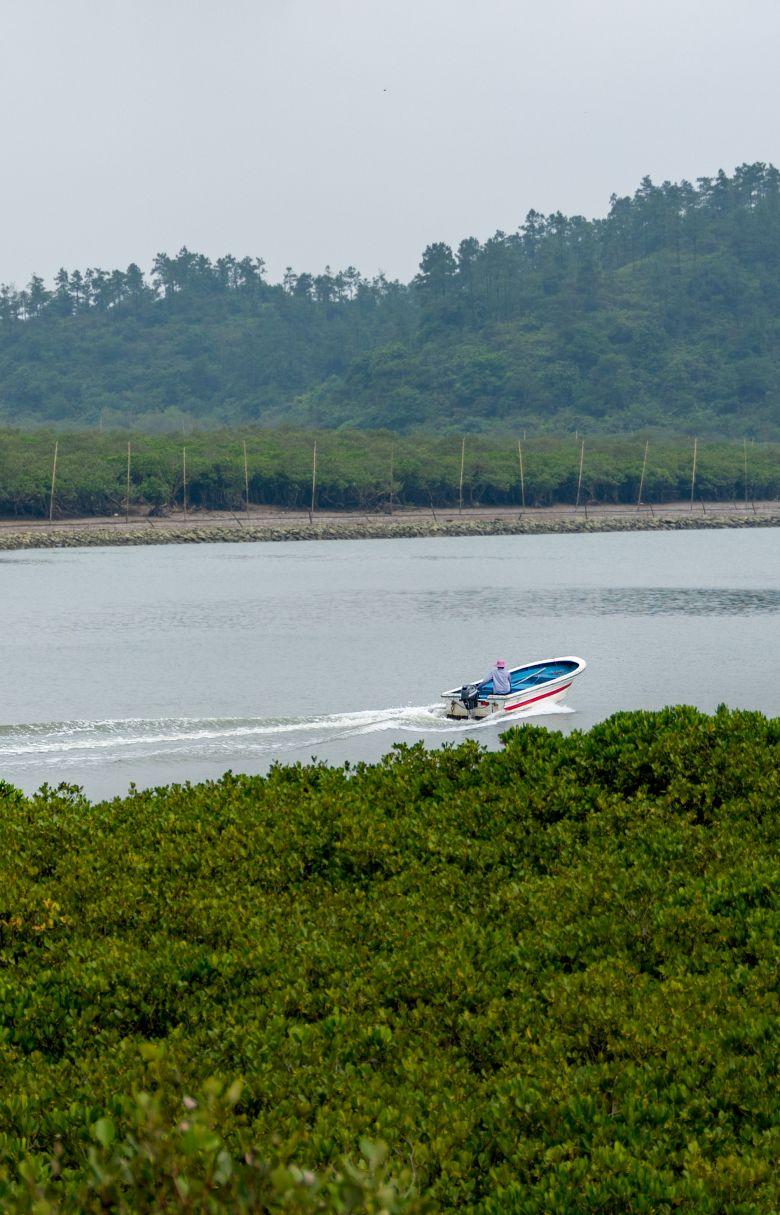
<point x="357" y="131"/>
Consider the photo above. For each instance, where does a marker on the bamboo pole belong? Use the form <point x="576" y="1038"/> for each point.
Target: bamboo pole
<point x="522" y="472"/>
<point x="53" y="479"/>
<point x="246" y="480"/>
<point x="392" y="463"/>
<point x="693" y="469"/>
<point x="460" y="487"/>
<point x="127" y="488"/>
<point x="744" y="444"/>
<point x="313" y="482"/>
<point x="184" y="479"/>
<point x="579" y="479"/>
<point x="642" y="478"/>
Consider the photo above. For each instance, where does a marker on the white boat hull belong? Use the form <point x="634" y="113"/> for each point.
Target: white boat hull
<point x="520" y="701"/>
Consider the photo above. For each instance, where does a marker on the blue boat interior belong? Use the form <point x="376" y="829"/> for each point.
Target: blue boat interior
<point x="532" y="676"/>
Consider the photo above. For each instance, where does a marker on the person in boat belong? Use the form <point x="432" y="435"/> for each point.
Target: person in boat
<point x="500" y="678"/>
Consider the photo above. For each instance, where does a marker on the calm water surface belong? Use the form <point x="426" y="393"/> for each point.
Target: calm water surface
<point x="160" y="664"/>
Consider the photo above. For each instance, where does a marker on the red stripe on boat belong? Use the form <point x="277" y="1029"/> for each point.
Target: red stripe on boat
<point x="520" y="703"/>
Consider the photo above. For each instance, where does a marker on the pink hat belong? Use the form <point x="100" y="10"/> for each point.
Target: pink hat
<point x="500" y="662"/>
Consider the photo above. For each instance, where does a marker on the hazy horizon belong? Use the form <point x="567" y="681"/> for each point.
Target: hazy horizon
<point x="357" y="132"/>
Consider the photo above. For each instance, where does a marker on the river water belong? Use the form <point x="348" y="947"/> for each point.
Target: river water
<point x="176" y="663"/>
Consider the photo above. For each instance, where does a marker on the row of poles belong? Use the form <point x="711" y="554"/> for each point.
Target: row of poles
<point x="694" y="462"/>
<point x="693" y="471"/>
<point x="184" y="480"/>
<point x="313" y="503"/>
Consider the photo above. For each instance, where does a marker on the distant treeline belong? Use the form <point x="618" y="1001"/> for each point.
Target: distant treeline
<point x="665" y="313"/>
<point x="367" y="471"/>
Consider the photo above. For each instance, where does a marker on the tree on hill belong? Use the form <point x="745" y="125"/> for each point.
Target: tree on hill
<point x="665" y="312"/>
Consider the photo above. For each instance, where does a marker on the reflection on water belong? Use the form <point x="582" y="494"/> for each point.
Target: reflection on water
<point x="322" y="607"/>
<point x="582" y="601"/>
<point x="652" y="601"/>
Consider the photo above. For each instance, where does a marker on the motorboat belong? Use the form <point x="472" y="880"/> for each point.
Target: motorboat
<point x="532" y="685"/>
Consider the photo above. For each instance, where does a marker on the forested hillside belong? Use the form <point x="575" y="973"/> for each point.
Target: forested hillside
<point x="665" y="313"/>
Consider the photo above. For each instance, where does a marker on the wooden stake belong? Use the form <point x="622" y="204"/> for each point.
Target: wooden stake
<point x="127" y="488"/>
<point x="460" y="487"/>
<point x="693" y="469"/>
<point x="744" y="443"/>
<point x="184" y="478"/>
<point x="246" y="480"/>
<point x="642" y="478"/>
<point x="522" y="473"/>
<point x="313" y="482"/>
<point x="53" y="479"/>
<point x="579" y="481"/>
<point x="392" y="462"/>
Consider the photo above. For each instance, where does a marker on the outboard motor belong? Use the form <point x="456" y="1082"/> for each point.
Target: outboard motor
<point x="469" y="695"/>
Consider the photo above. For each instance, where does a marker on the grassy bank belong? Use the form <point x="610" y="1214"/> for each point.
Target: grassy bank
<point x="543" y="978"/>
<point x="365" y="471"/>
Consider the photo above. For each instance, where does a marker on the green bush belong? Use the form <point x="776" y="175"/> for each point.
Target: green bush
<point x="354" y="471"/>
<point x="539" y="980"/>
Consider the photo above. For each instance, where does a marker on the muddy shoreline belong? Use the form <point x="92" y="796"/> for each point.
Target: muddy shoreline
<point x="277" y="526"/>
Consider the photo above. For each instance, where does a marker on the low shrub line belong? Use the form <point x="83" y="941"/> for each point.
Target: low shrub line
<point x="367" y="470"/>
<point x="537" y="980"/>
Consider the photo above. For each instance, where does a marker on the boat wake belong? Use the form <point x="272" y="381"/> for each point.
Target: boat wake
<point x="80" y="743"/>
<point x="443" y="725"/>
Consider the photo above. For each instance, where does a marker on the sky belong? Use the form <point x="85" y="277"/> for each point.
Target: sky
<point x="314" y="132"/>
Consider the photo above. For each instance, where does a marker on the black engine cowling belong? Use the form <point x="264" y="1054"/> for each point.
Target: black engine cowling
<point x="469" y="695"/>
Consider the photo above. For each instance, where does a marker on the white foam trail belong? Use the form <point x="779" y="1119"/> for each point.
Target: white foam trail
<point x="77" y="741"/>
<point x="448" y="726"/>
<point x="63" y="737"/>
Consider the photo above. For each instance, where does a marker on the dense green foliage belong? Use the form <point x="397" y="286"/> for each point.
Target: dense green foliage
<point x="545" y="978"/>
<point x="364" y="470"/>
<point x="664" y="313"/>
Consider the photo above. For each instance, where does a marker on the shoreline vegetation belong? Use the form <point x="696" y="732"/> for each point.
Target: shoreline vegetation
<point x="342" y="990"/>
<point x="61" y="475"/>
<point x="260" y="527"/>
